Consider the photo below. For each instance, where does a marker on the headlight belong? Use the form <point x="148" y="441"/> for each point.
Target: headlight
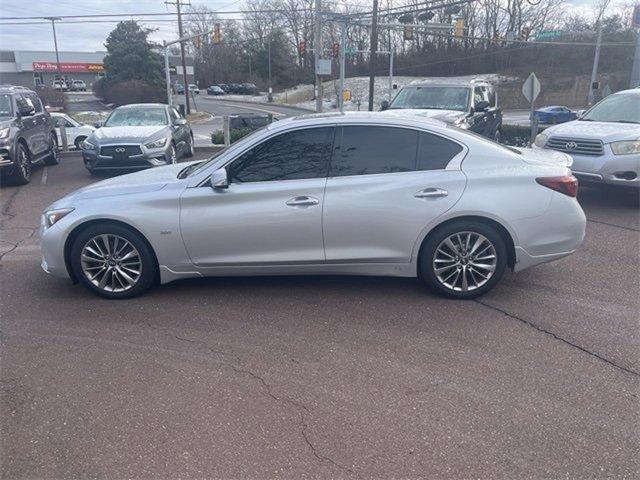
<point x="541" y="140"/>
<point x="4" y="132"/>
<point x="87" y="145"/>
<point x="157" y="144"/>
<point x="52" y="216"/>
<point x="627" y="147"/>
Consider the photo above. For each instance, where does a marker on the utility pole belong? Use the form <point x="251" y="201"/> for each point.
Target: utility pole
<point x="343" y="47"/>
<point x="178" y="4"/>
<point x="373" y="53"/>
<point x="635" y="70"/>
<point x="317" y="50"/>
<point x="55" y="42"/>
<point x="596" y="60"/>
<point x="270" y="94"/>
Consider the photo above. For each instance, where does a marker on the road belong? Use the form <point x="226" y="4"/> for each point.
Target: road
<point x="321" y="377"/>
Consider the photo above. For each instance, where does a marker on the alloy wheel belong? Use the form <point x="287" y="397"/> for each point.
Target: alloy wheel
<point x="23" y="163"/>
<point x="465" y="261"/>
<point x="111" y="263"/>
<point x="173" y="156"/>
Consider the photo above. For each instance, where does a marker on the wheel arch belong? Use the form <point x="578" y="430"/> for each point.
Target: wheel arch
<point x="498" y="226"/>
<point x="68" y="244"/>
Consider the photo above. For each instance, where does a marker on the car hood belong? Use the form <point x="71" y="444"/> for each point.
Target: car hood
<point x="447" y="116"/>
<point x="548" y="157"/>
<point x="126" y="134"/>
<point x="606" y="131"/>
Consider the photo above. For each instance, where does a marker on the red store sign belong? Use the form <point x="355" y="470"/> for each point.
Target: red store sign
<point x="67" y="67"/>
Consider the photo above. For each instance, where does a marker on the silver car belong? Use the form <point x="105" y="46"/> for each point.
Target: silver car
<point x="138" y="136"/>
<point x="604" y="142"/>
<point x="390" y="193"/>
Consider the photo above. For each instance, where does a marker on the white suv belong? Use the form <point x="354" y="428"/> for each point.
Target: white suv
<point x="604" y="142"/>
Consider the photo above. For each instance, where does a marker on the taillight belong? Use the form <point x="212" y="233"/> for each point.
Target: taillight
<point x="567" y="184"/>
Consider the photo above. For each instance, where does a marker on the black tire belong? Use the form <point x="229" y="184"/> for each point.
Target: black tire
<point x="189" y="151"/>
<point x="148" y="267"/>
<point x="497" y="136"/>
<point x="22" y="166"/>
<point x="437" y="237"/>
<point x="173" y="155"/>
<point x="78" y="141"/>
<point x="52" y="158"/>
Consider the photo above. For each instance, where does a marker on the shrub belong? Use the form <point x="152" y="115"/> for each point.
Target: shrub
<point x="51" y="97"/>
<point x="131" y="91"/>
<point x="235" y="134"/>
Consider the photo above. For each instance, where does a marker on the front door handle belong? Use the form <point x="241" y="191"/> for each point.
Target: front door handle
<point x="431" y="193"/>
<point x="302" y="201"/>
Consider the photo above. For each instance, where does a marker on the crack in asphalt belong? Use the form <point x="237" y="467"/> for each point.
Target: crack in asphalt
<point x="267" y="389"/>
<point x="558" y="337"/>
<point x="614" y="225"/>
<point x="15" y="245"/>
<point x="7" y="207"/>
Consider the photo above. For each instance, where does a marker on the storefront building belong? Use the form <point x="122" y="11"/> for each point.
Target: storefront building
<point x="33" y="68"/>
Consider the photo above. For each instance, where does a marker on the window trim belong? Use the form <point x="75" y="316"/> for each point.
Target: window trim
<point x="271" y="137"/>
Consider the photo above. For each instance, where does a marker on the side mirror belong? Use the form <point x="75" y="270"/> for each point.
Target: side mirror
<point x="580" y="113"/>
<point x="97" y="124"/>
<point x="384" y="105"/>
<point x="482" y="106"/>
<point x="180" y="121"/>
<point x="219" y="179"/>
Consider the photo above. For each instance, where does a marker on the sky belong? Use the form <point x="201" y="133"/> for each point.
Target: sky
<point x="91" y="36"/>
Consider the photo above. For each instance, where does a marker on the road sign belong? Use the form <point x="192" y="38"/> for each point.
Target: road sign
<point x="549" y="35"/>
<point x="323" y="66"/>
<point x="531" y="88"/>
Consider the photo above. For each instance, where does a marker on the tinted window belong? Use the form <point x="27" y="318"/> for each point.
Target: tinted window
<point x="434" y="152"/>
<point x="290" y="156"/>
<point x="35" y="100"/>
<point x="368" y="150"/>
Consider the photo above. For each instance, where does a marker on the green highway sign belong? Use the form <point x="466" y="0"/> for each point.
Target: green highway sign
<point x="549" y="35"/>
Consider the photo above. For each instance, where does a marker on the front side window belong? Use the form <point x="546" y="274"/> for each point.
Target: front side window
<point x="366" y="150"/>
<point x="432" y="98"/>
<point x="137" y="117"/>
<point x="619" y="108"/>
<point x="290" y="156"/>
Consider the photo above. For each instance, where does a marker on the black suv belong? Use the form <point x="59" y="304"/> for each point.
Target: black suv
<point x="472" y="106"/>
<point x="27" y="133"/>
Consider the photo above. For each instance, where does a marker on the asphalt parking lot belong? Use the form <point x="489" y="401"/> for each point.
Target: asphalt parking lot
<point x="322" y="377"/>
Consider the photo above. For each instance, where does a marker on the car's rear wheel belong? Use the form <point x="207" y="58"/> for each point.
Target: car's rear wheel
<point x="173" y="154"/>
<point x="190" y="148"/>
<point x="52" y="158"/>
<point x="22" y="167"/>
<point x="497" y="136"/>
<point x="463" y="259"/>
<point x="113" y="261"/>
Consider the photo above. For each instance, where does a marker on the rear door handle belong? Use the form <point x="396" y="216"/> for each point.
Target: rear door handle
<point x="302" y="201"/>
<point x="431" y="193"/>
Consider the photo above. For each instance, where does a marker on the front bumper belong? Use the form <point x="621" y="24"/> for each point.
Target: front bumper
<point x="52" y="242"/>
<point x="6" y="153"/>
<point x="610" y="169"/>
<point x="157" y="157"/>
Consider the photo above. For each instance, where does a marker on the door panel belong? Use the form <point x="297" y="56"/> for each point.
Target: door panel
<point x="378" y="218"/>
<point x="251" y="223"/>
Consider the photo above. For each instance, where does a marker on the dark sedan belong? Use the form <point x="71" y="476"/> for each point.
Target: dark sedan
<point x="138" y="136"/>
<point x="214" y="90"/>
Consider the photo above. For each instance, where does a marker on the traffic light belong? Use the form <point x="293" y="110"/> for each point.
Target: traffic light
<point x="407" y="33"/>
<point x="426" y="16"/>
<point x="335" y="49"/>
<point x="198" y="42"/>
<point x="302" y="47"/>
<point x="217" y="36"/>
<point x="452" y="10"/>
<point x="459" y="30"/>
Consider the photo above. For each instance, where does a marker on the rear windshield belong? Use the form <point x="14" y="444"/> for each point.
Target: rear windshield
<point x="484" y="139"/>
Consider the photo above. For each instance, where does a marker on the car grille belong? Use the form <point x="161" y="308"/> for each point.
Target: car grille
<point x="114" y="151"/>
<point x="580" y="147"/>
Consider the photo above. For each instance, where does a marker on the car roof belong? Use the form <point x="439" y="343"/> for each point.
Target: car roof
<point x="14" y="88"/>
<point x="143" y="105"/>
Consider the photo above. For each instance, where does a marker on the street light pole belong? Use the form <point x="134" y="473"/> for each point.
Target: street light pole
<point x="317" y="50"/>
<point x="55" y="42"/>
<point x="372" y="56"/>
<point x="270" y="95"/>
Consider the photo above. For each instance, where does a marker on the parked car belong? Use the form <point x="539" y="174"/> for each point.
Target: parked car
<point x="224" y="87"/>
<point x="138" y="136"/>
<point x="215" y="90"/>
<point x="554" y="114"/>
<point x="179" y="89"/>
<point x="75" y="131"/>
<point x="248" y="89"/>
<point x="27" y="135"/>
<point x="60" y="85"/>
<point x="364" y="193"/>
<point x="472" y="106"/>
<point x="193" y="88"/>
<point x="78" y="86"/>
<point x="604" y="142"/>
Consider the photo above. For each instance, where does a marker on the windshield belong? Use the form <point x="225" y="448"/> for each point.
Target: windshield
<point x="137" y="117"/>
<point x="6" y="109"/>
<point x="620" y="108"/>
<point x="433" y="97"/>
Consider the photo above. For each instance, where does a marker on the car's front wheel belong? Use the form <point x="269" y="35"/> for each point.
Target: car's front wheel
<point x="463" y="259"/>
<point x="22" y="168"/>
<point x="113" y="261"/>
<point x="172" y="156"/>
<point x="190" y="148"/>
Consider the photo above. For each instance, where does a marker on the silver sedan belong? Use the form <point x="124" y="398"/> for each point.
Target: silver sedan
<point x="389" y="193"/>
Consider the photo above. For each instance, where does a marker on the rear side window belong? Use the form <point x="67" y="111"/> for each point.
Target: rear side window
<point x="366" y="150"/>
<point x="435" y="152"/>
<point x="291" y="156"/>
